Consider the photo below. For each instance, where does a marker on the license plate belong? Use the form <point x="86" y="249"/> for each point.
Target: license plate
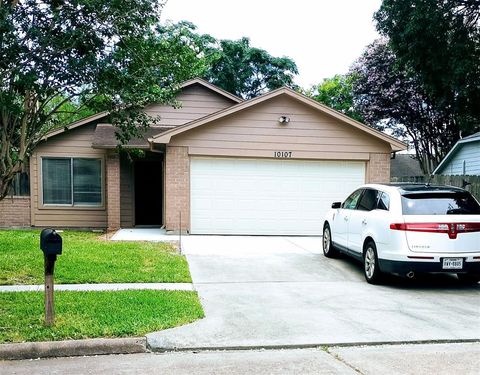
<point x="452" y="263"/>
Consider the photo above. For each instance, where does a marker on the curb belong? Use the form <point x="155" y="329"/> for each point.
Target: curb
<point x="71" y="348"/>
<point x="91" y="347"/>
<point x="168" y="348"/>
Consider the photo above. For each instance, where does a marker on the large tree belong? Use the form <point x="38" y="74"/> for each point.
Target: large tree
<point x="58" y="57"/>
<point x="439" y="42"/>
<point x="391" y="99"/>
<point x="337" y="93"/>
<point x="247" y="71"/>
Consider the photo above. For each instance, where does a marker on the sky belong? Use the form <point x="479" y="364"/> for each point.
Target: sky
<point x="323" y="37"/>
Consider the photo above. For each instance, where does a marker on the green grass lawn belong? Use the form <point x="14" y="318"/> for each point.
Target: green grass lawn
<point x="87" y="258"/>
<point x="82" y="315"/>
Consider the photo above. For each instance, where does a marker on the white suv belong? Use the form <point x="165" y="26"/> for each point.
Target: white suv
<point x="407" y="228"/>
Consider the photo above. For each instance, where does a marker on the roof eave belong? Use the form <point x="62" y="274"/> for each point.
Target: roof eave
<point x="74" y="125"/>
<point x="110" y="147"/>
<point x="212" y="87"/>
<point x="454" y="149"/>
<point x="447" y="158"/>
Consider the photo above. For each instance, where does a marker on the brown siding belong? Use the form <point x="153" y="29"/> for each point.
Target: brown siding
<point x="256" y="132"/>
<point x="197" y="101"/>
<point x="74" y="143"/>
<point x="15" y="212"/>
<point x="177" y="188"/>
<point x="126" y="193"/>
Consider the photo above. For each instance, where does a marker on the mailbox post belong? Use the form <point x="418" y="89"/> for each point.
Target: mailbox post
<point x="51" y="245"/>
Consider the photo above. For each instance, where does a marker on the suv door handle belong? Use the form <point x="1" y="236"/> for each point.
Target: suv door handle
<point x="364" y="221"/>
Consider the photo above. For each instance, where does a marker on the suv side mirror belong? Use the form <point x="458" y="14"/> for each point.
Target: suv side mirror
<point x="336" y="204"/>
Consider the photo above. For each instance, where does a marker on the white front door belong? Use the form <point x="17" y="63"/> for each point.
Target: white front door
<point x="267" y="196"/>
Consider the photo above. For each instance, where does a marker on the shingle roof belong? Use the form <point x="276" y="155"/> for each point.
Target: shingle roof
<point x="104" y="137"/>
<point x="405" y="165"/>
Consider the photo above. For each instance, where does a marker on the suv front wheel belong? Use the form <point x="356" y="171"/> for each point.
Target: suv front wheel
<point x="328" y="249"/>
<point x="372" y="272"/>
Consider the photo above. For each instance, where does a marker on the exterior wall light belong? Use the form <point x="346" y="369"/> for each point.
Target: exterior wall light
<point x="284" y="120"/>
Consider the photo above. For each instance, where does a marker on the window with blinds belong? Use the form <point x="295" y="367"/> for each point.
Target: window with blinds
<point x="72" y="181"/>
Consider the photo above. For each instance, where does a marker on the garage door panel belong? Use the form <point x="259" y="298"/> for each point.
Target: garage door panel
<point x="267" y="197"/>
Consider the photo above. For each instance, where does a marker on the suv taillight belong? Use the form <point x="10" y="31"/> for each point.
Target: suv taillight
<point x="452" y="229"/>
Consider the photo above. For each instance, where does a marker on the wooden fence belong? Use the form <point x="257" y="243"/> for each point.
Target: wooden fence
<point x="473" y="188"/>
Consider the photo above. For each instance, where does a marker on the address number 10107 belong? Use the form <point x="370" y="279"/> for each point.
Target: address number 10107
<point x="282" y="154"/>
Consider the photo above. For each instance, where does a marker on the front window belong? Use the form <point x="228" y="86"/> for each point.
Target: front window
<point x="72" y="181"/>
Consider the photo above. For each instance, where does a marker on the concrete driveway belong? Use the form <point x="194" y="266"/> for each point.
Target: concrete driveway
<point x="282" y="292"/>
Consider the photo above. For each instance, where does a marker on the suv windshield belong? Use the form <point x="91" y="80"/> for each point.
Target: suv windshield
<point x="454" y="203"/>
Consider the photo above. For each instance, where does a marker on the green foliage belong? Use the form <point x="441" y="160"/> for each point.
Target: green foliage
<point x="69" y="111"/>
<point x="337" y="93"/>
<point x="438" y="41"/>
<point x="58" y="58"/>
<point x="87" y="258"/>
<point x="392" y="99"/>
<point x="63" y="60"/>
<point x="81" y="315"/>
<point x="247" y="71"/>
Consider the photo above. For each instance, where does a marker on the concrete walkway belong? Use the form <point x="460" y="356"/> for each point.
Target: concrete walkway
<point x="99" y="287"/>
<point x="144" y="234"/>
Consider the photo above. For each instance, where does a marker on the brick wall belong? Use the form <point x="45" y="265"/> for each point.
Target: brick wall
<point x="177" y="188"/>
<point x="15" y="212"/>
<point x="378" y="168"/>
<point x="113" y="190"/>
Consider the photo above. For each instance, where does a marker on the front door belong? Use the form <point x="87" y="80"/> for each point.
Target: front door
<point x="148" y="193"/>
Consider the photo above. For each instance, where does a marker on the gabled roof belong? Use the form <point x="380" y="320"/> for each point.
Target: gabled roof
<point x="97" y="116"/>
<point x="165" y="137"/>
<point x="208" y="85"/>
<point x="471" y="138"/>
<point x="74" y="125"/>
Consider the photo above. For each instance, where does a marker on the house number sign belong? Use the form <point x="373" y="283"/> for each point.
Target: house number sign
<point x="282" y="154"/>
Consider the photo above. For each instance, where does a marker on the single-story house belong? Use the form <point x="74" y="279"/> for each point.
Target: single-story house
<point x="217" y="165"/>
<point x="463" y="158"/>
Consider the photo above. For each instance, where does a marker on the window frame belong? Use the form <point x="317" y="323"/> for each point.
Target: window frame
<point x="72" y="206"/>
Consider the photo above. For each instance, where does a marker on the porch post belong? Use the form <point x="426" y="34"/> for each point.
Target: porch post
<point x="113" y="190"/>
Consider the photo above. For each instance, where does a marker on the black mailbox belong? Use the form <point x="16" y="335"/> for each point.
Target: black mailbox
<point x="50" y="242"/>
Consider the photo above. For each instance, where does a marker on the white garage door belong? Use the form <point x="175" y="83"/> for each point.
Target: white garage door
<point x="267" y="197"/>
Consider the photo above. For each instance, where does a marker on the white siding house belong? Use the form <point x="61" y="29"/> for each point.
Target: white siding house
<point x="463" y="158"/>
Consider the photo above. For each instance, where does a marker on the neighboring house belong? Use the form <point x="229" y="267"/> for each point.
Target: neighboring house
<point x="463" y="158"/>
<point x="405" y="168"/>
<point x="217" y="165"/>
